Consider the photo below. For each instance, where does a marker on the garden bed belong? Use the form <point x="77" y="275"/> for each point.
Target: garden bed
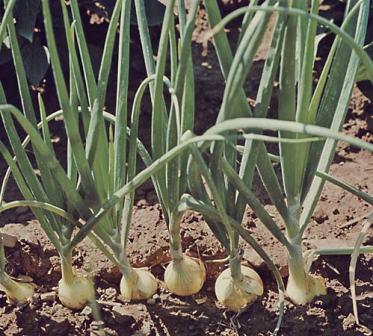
<point x="337" y="220"/>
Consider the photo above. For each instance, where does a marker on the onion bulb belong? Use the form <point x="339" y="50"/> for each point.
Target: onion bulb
<point x="185" y="276"/>
<point x="235" y="294"/>
<point x="76" y="293"/>
<point x="302" y="293"/>
<point x="139" y="285"/>
<point x="16" y="292"/>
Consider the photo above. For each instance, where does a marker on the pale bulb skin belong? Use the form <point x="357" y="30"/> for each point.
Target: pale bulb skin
<point x="304" y="293"/>
<point x="77" y="293"/>
<point x="235" y="294"/>
<point x="185" y="276"/>
<point x="140" y="284"/>
<point x="16" y="292"/>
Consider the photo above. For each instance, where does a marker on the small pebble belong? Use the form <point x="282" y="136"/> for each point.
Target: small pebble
<point x="319" y="303"/>
<point x="50" y="296"/>
<point x="87" y="310"/>
<point x="290" y="304"/>
<point x="56" y="308"/>
<point x="96" y="325"/>
<point x="110" y="332"/>
<point x="111" y="292"/>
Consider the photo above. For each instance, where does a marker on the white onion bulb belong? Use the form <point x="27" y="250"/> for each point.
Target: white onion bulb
<point x="17" y="292"/>
<point x="141" y="285"/>
<point x="235" y="294"/>
<point x="76" y="294"/>
<point x="185" y="276"/>
<point x="304" y="293"/>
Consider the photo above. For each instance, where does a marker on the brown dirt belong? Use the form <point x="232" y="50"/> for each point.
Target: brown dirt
<point x="167" y="314"/>
<point x="170" y="315"/>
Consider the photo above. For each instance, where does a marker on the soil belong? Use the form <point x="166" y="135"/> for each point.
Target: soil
<point x="337" y="221"/>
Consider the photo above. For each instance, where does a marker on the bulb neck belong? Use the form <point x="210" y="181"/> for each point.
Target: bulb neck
<point x="175" y="237"/>
<point x="302" y="287"/>
<point x="235" y="264"/>
<point x="298" y="288"/>
<point x="68" y="274"/>
<point x="176" y="254"/>
<point x="130" y="274"/>
<point x="297" y="272"/>
<point x="124" y="263"/>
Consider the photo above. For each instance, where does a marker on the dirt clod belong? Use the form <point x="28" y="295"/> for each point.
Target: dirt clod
<point x="121" y="315"/>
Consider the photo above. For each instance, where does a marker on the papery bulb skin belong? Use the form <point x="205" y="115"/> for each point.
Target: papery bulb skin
<point x="17" y="292"/>
<point x="303" y="293"/>
<point x="185" y="276"/>
<point x="77" y="293"/>
<point x="235" y="294"/>
<point x="140" y="285"/>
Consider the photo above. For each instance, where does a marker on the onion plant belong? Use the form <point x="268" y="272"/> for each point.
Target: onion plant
<point x="239" y="285"/>
<point x="97" y="156"/>
<point x="303" y="164"/>
<point x="184" y="275"/>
